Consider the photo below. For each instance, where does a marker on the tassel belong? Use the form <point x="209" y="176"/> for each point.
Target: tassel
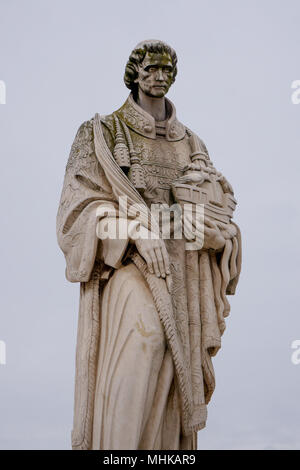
<point x="136" y="173"/>
<point x="121" y="153"/>
<point x="136" y="176"/>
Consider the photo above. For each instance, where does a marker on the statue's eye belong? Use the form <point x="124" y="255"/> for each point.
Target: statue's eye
<point x="151" y="69"/>
<point x="167" y="69"/>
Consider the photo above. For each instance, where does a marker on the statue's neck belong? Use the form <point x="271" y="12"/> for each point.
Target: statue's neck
<point x="156" y="107"/>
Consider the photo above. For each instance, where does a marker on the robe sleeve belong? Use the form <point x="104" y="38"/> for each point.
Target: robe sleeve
<point x="85" y="190"/>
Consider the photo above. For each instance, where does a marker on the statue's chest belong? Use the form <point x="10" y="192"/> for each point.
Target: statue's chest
<point x="163" y="162"/>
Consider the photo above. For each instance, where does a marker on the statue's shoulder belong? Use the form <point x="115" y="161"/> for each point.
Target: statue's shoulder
<point x="107" y="122"/>
<point x="199" y="142"/>
<point x="108" y="129"/>
<point x="83" y="146"/>
<point x="85" y="132"/>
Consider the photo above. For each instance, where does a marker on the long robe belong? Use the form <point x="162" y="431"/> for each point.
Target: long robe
<point x="144" y="373"/>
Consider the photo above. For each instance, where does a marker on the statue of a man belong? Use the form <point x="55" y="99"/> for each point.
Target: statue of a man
<point x="151" y="307"/>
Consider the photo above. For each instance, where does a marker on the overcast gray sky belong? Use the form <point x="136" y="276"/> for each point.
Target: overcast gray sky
<point x="62" y="61"/>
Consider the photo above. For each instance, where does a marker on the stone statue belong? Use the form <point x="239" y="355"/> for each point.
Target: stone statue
<point x="152" y="307"/>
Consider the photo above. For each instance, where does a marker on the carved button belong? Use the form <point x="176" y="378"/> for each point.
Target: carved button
<point x="172" y="132"/>
<point x="148" y="128"/>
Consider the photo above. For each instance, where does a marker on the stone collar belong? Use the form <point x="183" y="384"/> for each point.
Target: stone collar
<point x="144" y="124"/>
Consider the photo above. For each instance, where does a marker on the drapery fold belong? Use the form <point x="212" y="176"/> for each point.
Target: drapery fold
<point x="208" y="277"/>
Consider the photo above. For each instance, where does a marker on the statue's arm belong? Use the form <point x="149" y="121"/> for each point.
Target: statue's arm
<point x="222" y="238"/>
<point x="85" y="189"/>
<point x="88" y="209"/>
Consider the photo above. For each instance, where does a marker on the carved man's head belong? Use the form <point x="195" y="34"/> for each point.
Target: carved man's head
<point x="152" y="68"/>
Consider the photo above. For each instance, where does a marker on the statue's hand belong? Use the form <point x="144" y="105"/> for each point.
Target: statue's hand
<point x="155" y="254"/>
<point x="213" y="237"/>
<point x="228" y="231"/>
<point x="194" y="177"/>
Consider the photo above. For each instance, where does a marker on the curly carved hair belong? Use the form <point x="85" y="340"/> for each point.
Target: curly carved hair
<point x="137" y="56"/>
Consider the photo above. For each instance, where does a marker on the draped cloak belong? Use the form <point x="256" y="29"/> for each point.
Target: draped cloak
<point x="192" y="315"/>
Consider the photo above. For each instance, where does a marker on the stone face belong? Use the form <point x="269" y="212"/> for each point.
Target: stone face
<point x="152" y="306"/>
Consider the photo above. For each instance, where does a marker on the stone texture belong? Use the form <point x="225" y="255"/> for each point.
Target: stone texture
<point x="152" y="311"/>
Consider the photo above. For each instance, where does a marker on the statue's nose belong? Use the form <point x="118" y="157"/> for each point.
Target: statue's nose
<point x="159" y="75"/>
